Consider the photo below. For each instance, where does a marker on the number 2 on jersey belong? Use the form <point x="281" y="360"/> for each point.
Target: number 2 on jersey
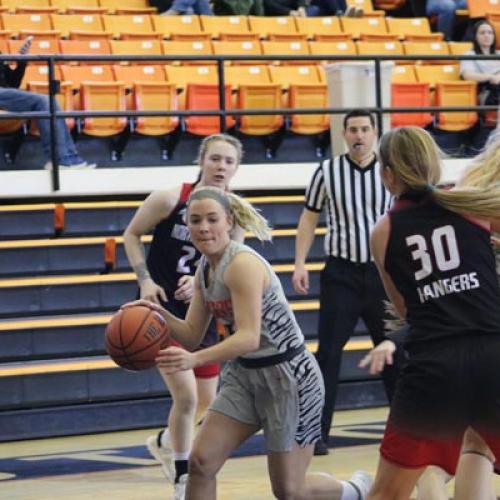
<point x="189" y="253"/>
<point x="442" y="237"/>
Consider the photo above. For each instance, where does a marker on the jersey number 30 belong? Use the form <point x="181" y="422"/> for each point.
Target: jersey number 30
<point x="442" y="238"/>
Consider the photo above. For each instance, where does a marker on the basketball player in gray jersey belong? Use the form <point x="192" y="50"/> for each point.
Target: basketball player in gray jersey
<point x="271" y="381"/>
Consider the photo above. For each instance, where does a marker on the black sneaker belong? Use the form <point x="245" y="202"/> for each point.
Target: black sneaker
<point x="321" y="448"/>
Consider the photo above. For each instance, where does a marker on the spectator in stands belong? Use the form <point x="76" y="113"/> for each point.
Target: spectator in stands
<point x="238" y="7"/>
<point x="306" y="8"/>
<point x="19" y="101"/>
<point x="482" y="71"/>
<point x="445" y="10"/>
<point x="487" y="74"/>
<point x="182" y="7"/>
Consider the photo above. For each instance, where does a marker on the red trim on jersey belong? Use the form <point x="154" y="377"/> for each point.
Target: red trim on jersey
<point x="186" y="190"/>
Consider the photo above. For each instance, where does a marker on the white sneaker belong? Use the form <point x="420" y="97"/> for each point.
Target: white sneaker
<point x="77" y="166"/>
<point x="180" y="488"/>
<point x="163" y="454"/>
<point x="362" y="482"/>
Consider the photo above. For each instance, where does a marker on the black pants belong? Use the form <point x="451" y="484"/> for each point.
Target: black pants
<point x="348" y="292"/>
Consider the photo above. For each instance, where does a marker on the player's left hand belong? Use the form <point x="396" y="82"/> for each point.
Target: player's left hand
<point x="495" y="242"/>
<point x="174" y="359"/>
<point x="378" y="357"/>
<point x="185" y="288"/>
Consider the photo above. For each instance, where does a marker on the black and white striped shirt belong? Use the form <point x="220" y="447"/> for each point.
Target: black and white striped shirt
<point x="355" y="198"/>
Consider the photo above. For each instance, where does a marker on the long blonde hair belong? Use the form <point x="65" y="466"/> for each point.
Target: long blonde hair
<point x="245" y="215"/>
<point x="415" y="159"/>
<point x="485" y="168"/>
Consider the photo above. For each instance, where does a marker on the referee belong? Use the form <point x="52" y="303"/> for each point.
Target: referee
<point x="351" y="190"/>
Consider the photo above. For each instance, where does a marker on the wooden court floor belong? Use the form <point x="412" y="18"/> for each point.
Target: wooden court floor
<point x="116" y="466"/>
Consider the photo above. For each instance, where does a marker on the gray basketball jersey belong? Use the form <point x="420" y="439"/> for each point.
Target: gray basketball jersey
<point x="279" y="328"/>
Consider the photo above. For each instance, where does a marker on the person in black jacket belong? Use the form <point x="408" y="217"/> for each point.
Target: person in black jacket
<point x="18" y="101"/>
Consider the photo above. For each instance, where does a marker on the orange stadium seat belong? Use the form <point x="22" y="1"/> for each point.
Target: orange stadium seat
<point x="38" y="47"/>
<point x="184" y="48"/>
<point x="103" y="96"/>
<point x="403" y="73"/>
<point x="78" y="6"/>
<point x="456" y="94"/>
<point x="182" y="75"/>
<point x="206" y="97"/>
<point x="480" y="8"/>
<point x="314" y="26"/>
<point x="424" y="37"/>
<point x="366" y="25"/>
<point x="394" y="48"/>
<point x="85" y="73"/>
<point x="264" y="26"/>
<point x="434" y="73"/>
<point x="247" y="75"/>
<point x="332" y="49"/>
<point x="79" y="22"/>
<point x="410" y="95"/>
<point x="260" y="97"/>
<point x="287" y="75"/>
<point x="375" y="37"/>
<point x="85" y="47"/>
<point x="427" y="49"/>
<point x="129" y="25"/>
<point x="285" y="49"/>
<point x="242" y="48"/>
<point x="155" y="96"/>
<point x="64" y="97"/>
<point x="308" y="96"/>
<point x="459" y="48"/>
<point x="25" y="9"/>
<point x="38" y="73"/>
<point x="126" y="6"/>
<point x="21" y="22"/>
<point x="141" y="48"/>
<point x="13" y="5"/>
<point x="135" y="73"/>
<point x="287" y="37"/>
<point x="408" y="26"/>
<point x="173" y="26"/>
<point x="216" y="25"/>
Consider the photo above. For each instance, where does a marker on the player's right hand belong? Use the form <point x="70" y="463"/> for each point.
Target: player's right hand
<point x="152" y="291"/>
<point x="300" y="280"/>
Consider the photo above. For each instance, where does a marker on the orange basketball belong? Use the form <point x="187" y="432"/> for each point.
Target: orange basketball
<point x="134" y="336"/>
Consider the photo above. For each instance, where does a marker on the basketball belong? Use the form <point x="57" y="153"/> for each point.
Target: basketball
<point x="134" y="336"/>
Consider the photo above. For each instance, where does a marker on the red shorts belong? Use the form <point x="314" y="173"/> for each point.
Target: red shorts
<point x="209" y="370"/>
<point x="412" y="451"/>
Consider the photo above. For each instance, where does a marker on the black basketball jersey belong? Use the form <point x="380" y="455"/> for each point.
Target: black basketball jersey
<point x="172" y="254"/>
<point x="443" y="266"/>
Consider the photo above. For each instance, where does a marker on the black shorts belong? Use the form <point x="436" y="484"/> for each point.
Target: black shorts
<point x="445" y="387"/>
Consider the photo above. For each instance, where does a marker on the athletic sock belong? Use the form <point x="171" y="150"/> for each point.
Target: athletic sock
<point x="181" y="468"/>
<point x="349" y="491"/>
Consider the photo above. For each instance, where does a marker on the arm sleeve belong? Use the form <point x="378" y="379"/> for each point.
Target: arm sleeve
<point x="469" y="65"/>
<point x="399" y="336"/>
<point x="315" y="193"/>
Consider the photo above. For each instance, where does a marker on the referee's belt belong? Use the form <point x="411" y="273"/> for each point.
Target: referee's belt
<point x="274" y="359"/>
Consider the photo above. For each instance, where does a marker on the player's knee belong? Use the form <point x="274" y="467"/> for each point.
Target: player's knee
<point x="201" y="464"/>
<point x="285" y="490"/>
<point x="387" y="492"/>
<point x="185" y="401"/>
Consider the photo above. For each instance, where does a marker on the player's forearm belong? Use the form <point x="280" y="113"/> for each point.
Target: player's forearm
<point x="136" y="255"/>
<point x="236" y="345"/>
<point x="183" y="331"/>
<point x="303" y="243"/>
